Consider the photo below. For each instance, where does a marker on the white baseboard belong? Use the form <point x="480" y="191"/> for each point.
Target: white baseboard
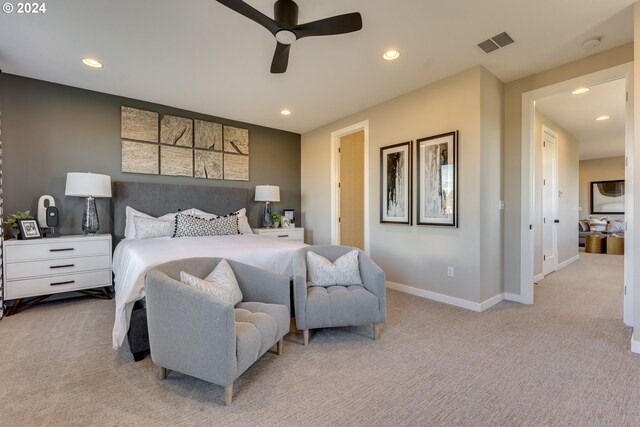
<point x="563" y="264"/>
<point x="538" y="278"/>
<point x="458" y="302"/>
<point x="635" y="345"/>
<point x="512" y="297"/>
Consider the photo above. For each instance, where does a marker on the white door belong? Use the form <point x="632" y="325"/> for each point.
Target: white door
<point x="549" y="201"/>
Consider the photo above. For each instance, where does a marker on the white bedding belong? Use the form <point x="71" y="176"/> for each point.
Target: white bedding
<point x="132" y="258"/>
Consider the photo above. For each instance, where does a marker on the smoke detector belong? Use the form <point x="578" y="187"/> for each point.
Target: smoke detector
<point x="592" y="43"/>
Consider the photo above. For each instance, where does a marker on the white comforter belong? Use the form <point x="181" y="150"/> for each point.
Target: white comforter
<point x="132" y="259"/>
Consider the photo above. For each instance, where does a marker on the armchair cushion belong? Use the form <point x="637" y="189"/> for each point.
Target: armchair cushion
<point x="341" y="306"/>
<point x="343" y="271"/>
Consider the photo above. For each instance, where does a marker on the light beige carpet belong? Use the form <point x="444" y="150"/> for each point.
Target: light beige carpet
<point x="563" y="361"/>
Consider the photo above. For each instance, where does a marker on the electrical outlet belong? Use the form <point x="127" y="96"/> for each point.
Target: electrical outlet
<point x="501" y="205"/>
<point x="450" y="271"/>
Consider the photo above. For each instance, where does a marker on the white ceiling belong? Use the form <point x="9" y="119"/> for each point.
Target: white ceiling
<point x="577" y="115"/>
<point x="201" y="56"/>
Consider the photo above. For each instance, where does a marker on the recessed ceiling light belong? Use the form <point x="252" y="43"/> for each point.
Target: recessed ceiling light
<point x="390" y="55"/>
<point x="601" y="118"/>
<point x="580" y="90"/>
<point x="90" y="62"/>
<point x="285" y="112"/>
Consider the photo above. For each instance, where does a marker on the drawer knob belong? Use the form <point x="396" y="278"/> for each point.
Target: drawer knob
<point x="62" y="266"/>
<point x="61" y="250"/>
<point x="283" y="235"/>
<point x="68" y="282"/>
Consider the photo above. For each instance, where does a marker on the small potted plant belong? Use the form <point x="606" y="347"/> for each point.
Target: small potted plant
<point x="275" y="218"/>
<point x="12" y="222"/>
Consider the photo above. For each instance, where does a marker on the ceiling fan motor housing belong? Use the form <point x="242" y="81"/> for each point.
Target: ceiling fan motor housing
<point x="285" y="12"/>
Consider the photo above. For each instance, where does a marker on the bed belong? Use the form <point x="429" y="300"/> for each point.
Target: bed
<point x="132" y="258"/>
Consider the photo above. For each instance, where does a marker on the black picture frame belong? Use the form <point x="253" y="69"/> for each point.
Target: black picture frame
<point x="607" y="197"/>
<point x="437" y="180"/>
<point x="290" y="213"/>
<point x="29" y="229"/>
<point x="396" y="178"/>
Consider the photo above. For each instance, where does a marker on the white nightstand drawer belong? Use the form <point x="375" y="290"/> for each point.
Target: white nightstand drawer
<point x="55" y="284"/>
<point x="63" y="248"/>
<point x="282" y="233"/>
<point x="22" y="270"/>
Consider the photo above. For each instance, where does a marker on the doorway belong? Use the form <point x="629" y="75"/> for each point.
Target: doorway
<point x="549" y="201"/>
<point x="350" y="186"/>
<point x="351" y="189"/>
<point x="528" y="178"/>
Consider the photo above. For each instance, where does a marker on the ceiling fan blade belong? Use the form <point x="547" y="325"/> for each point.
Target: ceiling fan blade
<point x="280" y="58"/>
<point x="340" y="24"/>
<point x="244" y="9"/>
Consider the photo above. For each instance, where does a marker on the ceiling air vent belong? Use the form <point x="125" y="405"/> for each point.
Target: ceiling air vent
<point x="496" y="42"/>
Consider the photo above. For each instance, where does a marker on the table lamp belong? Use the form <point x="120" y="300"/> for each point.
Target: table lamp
<point x="267" y="194"/>
<point x="89" y="185"/>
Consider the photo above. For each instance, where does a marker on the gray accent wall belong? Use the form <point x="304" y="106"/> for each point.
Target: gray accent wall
<point x="50" y="129"/>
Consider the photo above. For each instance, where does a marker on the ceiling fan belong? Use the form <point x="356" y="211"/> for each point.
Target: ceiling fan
<point x="286" y="30"/>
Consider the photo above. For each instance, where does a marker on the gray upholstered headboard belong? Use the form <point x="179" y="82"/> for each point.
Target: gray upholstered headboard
<point x="159" y="199"/>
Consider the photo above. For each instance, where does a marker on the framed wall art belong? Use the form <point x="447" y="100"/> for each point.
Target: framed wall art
<point x="607" y="197"/>
<point x="395" y="183"/>
<point x="438" y="180"/>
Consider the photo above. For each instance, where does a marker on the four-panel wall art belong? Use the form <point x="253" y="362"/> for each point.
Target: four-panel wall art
<point x="179" y="146"/>
<point x="436" y="176"/>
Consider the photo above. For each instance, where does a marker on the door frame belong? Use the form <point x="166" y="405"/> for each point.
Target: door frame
<point x="527" y="179"/>
<point x="335" y="176"/>
<point x="554" y="201"/>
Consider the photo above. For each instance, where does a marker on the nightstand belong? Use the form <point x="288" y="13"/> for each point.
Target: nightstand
<point x="293" y="233"/>
<point x="36" y="269"/>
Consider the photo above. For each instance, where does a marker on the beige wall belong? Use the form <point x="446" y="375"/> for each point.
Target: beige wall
<point x="598" y="170"/>
<point x="513" y="145"/>
<point x="567" y="185"/>
<point x="419" y="256"/>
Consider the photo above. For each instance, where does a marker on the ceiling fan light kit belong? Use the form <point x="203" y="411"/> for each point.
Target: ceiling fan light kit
<point x="286" y="30"/>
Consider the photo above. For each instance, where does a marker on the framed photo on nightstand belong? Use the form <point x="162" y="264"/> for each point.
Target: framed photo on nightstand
<point x="290" y="214"/>
<point x="29" y="229"/>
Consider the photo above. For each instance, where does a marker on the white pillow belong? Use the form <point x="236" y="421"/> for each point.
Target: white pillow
<point x="221" y="283"/>
<point x="344" y="271"/>
<point x="130" y="227"/>
<point x="147" y="228"/>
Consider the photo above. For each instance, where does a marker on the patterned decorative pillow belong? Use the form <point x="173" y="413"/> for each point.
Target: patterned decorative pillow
<point x="615" y="226"/>
<point x="243" y="221"/>
<point x="190" y="226"/>
<point x="147" y="228"/>
<point x="221" y="283"/>
<point x="583" y="225"/>
<point x="344" y="271"/>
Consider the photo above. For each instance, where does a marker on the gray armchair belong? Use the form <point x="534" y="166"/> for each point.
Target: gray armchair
<point x="190" y="332"/>
<point x="320" y="307"/>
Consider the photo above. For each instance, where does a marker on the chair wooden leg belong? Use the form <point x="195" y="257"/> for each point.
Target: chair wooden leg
<point x="376" y="331"/>
<point x="279" y="347"/>
<point x="228" y="394"/>
<point x="305" y="336"/>
<point x="163" y="373"/>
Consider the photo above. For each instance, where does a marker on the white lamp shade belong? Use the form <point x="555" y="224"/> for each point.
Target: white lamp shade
<point x="81" y="184"/>
<point x="267" y="193"/>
